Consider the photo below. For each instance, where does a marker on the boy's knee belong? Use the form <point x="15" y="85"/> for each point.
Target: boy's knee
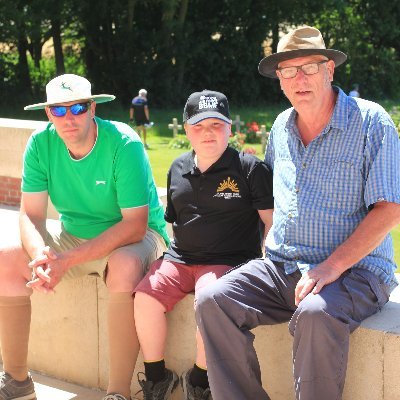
<point x="146" y="300"/>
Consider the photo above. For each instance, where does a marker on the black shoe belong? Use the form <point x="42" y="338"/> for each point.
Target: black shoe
<point x="161" y="390"/>
<point x="10" y="389"/>
<point x="115" y="396"/>
<point x="193" y="393"/>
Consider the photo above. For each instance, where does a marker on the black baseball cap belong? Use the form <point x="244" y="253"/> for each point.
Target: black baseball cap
<point x="206" y="104"/>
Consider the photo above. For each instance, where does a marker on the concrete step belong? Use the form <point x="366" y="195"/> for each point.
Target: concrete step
<point x="53" y="389"/>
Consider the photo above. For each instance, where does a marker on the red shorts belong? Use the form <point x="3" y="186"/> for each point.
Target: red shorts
<point x="169" y="282"/>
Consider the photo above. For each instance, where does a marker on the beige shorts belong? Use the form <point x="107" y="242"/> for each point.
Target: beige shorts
<point x="148" y="250"/>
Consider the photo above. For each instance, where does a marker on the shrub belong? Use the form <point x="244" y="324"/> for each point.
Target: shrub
<point x="180" y="142"/>
<point x="237" y="141"/>
<point x="395" y="114"/>
<point x="250" y="131"/>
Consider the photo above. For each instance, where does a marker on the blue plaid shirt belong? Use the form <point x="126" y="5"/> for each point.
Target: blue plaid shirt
<point x="323" y="191"/>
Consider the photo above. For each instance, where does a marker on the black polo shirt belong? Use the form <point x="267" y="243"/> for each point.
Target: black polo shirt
<point x="214" y="213"/>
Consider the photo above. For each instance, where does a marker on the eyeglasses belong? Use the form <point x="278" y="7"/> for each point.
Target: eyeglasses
<point x="308" y="69"/>
<point x="76" y="109"/>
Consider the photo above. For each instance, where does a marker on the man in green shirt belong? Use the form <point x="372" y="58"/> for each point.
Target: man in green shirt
<point x="98" y="177"/>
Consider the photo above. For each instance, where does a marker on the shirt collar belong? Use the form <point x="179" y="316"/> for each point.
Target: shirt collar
<point x="339" y="117"/>
<point x="340" y="114"/>
<point x="224" y="162"/>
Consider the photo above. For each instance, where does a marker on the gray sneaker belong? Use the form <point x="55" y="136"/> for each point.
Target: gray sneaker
<point x="193" y="393"/>
<point x="10" y="389"/>
<point x="161" y="390"/>
<point x="115" y="396"/>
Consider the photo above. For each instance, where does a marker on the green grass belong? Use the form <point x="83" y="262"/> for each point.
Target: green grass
<point x="161" y="158"/>
<point x="161" y="117"/>
<point x="396" y="243"/>
<point x="159" y="135"/>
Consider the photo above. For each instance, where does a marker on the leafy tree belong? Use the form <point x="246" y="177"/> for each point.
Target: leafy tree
<point x="174" y="47"/>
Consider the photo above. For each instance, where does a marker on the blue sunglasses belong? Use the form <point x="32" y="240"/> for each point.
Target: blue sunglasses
<point x="76" y="109"/>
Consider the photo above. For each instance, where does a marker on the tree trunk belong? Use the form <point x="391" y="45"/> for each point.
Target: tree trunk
<point x="181" y="61"/>
<point x="275" y="37"/>
<point x="23" y="69"/>
<point x="58" y="51"/>
<point x="131" y="13"/>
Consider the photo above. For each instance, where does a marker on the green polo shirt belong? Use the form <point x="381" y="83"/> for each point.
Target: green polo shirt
<point x="89" y="193"/>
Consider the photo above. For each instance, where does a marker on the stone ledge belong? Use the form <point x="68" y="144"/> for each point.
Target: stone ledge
<point x="73" y="332"/>
<point x="69" y="341"/>
<point x="21" y="123"/>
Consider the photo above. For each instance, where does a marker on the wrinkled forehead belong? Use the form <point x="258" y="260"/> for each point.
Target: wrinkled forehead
<point x="302" y="60"/>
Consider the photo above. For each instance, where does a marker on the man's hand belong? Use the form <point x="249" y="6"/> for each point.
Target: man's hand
<point x="47" y="270"/>
<point x="315" y="279"/>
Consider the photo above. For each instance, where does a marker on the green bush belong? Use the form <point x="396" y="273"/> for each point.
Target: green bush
<point x="180" y="142"/>
<point x="250" y="130"/>
<point x="237" y="141"/>
<point x="395" y="114"/>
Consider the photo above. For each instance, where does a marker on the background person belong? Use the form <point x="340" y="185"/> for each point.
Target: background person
<point x="98" y="177"/>
<point x="216" y="198"/>
<point x="329" y="261"/>
<point x="139" y="111"/>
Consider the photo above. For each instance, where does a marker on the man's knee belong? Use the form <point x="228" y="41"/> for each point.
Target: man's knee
<point x="124" y="270"/>
<point x="312" y="313"/>
<point x="204" y="297"/>
<point x="14" y="271"/>
<point x="208" y="299"/>
<point x="13" y="258"/>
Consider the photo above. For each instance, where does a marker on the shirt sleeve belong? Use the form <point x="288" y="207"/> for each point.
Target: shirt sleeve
<point x="260" y="182"/>
<point x="34" y="177"/>
<point x="382" y="163"/>
<point x="170" y="213"/>
<point x="132" y="176"/>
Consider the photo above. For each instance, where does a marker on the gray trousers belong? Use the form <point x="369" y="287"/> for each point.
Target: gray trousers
<point x="260" y="293"/>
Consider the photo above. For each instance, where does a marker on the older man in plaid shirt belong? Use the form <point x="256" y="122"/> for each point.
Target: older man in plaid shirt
<point x="329" y="261"/>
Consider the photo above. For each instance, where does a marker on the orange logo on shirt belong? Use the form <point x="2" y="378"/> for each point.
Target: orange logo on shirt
<point x="228" y="184"/>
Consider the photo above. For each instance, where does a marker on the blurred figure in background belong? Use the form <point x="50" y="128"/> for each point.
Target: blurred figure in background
<point x="139" y="112"/>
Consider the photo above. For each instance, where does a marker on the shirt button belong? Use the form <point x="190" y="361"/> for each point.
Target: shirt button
<point x="297" y="190"/>
<point x="304" y="165"/>
<point x="290" y="215"/>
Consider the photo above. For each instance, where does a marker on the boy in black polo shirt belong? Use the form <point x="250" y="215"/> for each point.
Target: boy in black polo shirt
<point x="216" y="198"/>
